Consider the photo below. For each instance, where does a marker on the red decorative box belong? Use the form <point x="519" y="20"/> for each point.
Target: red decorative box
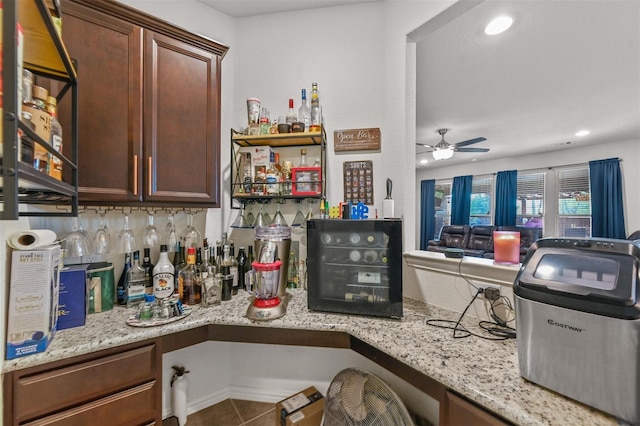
<point x="306" y="180"/>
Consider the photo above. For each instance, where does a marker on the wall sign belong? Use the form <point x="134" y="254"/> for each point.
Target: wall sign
<point x="358" y="181"/>
<point x="356" y="140"/>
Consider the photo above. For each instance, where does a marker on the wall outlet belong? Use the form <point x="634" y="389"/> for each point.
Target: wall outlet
<point x="491" y="293"/>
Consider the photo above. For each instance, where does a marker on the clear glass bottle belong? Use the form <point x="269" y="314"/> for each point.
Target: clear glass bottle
<point x="246" y="174"/>
<point x="303" y="158"/>
<point x="135" y="286"/>
<point x="292" y="273"/>
<point x="291" y="115"/>
<point x="148" y="270"/>
<point x="304" y="114"/>
<point x="121" y="288"/>
<point x="41" y="118"/>
<point x="189" y="286"/>
<point x="265" y="122"/>
<point x="55" y="163"/>
<point x="302" y="275"/>
<point x="316" y="112"/>
<point x="272" y="180"/>
<point x="248" y="266"/>
<point x="212" y="290"/>
<point x="163" y="275"/>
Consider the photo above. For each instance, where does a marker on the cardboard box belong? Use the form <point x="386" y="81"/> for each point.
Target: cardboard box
<point x="33" y="300"/>
<point x="261" y="156"/>
<point x="302" y="409"/>
<point x="73" y="296"/>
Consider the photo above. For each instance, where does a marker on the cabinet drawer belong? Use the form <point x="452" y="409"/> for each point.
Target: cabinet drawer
<point x="134" y="406"/>
<point x="44" y="392"/>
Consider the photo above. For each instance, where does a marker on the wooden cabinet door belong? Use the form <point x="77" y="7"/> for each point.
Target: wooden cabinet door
<point x="457" y="411"/>
<point x="109" y="60"/>
<point x="181" y="122"/>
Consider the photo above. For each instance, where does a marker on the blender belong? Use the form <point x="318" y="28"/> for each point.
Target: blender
<point x="269" y="273"/>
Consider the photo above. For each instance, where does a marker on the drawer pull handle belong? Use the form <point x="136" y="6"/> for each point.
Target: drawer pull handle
<point x="150" y="175"/>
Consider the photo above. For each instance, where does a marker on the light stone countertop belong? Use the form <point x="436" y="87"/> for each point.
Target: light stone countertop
<point x="484" y="371"/>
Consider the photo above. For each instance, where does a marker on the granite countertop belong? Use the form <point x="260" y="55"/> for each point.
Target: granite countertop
<point x="482" y="370"/>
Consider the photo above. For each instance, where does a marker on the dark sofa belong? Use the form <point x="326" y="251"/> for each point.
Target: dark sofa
<point x="477" y="241"/>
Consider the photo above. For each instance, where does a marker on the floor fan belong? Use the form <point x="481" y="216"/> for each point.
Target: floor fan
<point x="359" y="398"/>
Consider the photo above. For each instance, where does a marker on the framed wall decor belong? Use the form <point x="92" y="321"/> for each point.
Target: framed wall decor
<point x="358" y="181"/>
<point x="357" y="140"/>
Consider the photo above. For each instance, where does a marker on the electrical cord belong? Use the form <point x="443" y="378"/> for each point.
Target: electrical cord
<point x="499" y="328"/>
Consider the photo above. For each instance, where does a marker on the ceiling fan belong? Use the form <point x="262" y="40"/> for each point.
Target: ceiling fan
<point x="444" y="150"/>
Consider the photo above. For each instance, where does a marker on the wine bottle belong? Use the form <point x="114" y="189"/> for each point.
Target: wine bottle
<point x="233" y="262"/>
<point x="242" y="261"/>
<point x="135" y="284"/>
<point x="291" y="115"/>
<point x="304" y="114"/>
<point x="163" y="275"/>
<point x="248" y="265"/>
<point x="316" y="113"/>
<point x="121" y="289"/>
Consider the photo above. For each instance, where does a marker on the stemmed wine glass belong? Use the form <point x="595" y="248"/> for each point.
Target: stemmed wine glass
<point x="263" y="218"/>
<point x="241" y="220"/>
<point x="170" y="237"/>
<point x="190" y="236"/>
<point x="151" y="237"/>
<point x="299" y="219"/>
<point x="278" y="218"/>
<point x="77" y="243"/>
<point x="250" y="218"/>
<point x="126" y="238"/>
<point x="102" y="237"/>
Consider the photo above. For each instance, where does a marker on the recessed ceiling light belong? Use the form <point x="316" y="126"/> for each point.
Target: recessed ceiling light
<point x="498" y="25"/>
<point x="424" y="161"/>
<point x="582" y="133"/>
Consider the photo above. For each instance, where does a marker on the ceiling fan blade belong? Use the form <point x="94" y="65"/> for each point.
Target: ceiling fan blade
<point x="425" y="145"/>
<point x="470" y="142"/>
<point x="472" y="150"/>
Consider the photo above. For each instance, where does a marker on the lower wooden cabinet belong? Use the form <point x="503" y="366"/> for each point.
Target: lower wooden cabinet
<point x="120" y="386"/>
<point x="457" y="411"/>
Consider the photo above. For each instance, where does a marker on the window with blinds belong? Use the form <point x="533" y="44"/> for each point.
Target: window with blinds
<point x="574" y="202"/>
<point x="530" y="199"/>
<point x="443" y="205"/>
<point x="481" y="204"/>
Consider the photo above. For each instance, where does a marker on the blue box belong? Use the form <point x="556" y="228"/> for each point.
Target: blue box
<point x="73" y="296"/>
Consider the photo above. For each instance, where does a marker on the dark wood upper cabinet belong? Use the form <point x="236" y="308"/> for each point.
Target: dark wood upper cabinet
<point x="149" y="107"/>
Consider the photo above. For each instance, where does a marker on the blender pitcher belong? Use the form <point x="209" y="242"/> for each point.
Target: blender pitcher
<point x="274" y="243"/>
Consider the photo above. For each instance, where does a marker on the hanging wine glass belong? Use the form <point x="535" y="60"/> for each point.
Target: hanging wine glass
<point x="262" y="219"/>
<point x="170" y="237"/>
<point x="241" y="221"/>
<point x="310" y="213"/>
<point x="249" y="217"/>
<point x="102" y="237"/>
<point x="299" y="219"/>
<point x="151" y="236"/>
<point x="190" y="236"/>
<point x="126" y="238"/>
<point x="278" y="218"/>
<point x="77" y="243"/>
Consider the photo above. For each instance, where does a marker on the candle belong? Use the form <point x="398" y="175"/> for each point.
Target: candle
<point x="506" y="247"/>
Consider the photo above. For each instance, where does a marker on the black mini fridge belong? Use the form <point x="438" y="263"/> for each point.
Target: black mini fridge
<point x="355" y="266"/>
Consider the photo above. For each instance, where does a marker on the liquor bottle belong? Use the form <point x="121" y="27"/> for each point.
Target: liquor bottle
<point x="260" y="179"/>
<point x="227" y="283"/>
<point x="246" y="174"/>
<point x="234" y="268"/>
<point x="265" y="122"/>
<point x="148" y="271"/>
<point x="189" y="286"/>
<point x="316" y="113"/>
<point x="218" y="256"/>
<point x="41" y="119"/>
<point x="304" y="114"/>
<point x="178" y="262"/>
<point x="121" y="289"/>
<point x="291" y="115"/>
<point x="248" y="265"/>
<point x="303" y="158"/>
<point x="135" y="286"/>
<point x="55" y="163"/>
<point x="292" y="273"/>
<point x="198" y="257"/>
<point x="205" y="267"/>
<point x="272" y="180"/>
<point x="163" y="275"/>
<point x="226" y="263"/>
<point x="242" y="261"/>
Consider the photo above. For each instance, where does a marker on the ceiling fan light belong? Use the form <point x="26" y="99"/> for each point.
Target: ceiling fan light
<point x="498" y="25"/>
<point x="442" y="154"/>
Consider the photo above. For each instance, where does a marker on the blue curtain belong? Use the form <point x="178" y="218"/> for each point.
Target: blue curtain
<point x="607" y="210"/>
<point x="461" y="199"/>
<point x="506" y="198"/>
<point x="427" y="212"/>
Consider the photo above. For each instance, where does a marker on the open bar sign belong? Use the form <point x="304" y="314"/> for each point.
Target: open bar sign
<point x="358" y="181"/>
<point x="356" y="140"/>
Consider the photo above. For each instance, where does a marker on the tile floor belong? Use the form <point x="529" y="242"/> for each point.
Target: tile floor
<point x="233" y="412"/>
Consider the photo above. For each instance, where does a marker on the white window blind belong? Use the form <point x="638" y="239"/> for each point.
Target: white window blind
<point x="574" y="202"/>
<point x="481" y="201"/>
<point x="530" y="199"/>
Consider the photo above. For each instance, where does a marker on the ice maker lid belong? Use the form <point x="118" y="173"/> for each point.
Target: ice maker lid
<point x="597" y="281"/>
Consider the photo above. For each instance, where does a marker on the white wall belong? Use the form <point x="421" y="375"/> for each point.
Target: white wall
<point x="628" y="151"/>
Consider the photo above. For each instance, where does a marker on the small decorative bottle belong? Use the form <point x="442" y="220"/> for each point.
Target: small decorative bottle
<point x="135" y="286"/>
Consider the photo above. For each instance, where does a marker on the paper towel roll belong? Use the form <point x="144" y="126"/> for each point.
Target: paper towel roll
<point x="34" y="238"/>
